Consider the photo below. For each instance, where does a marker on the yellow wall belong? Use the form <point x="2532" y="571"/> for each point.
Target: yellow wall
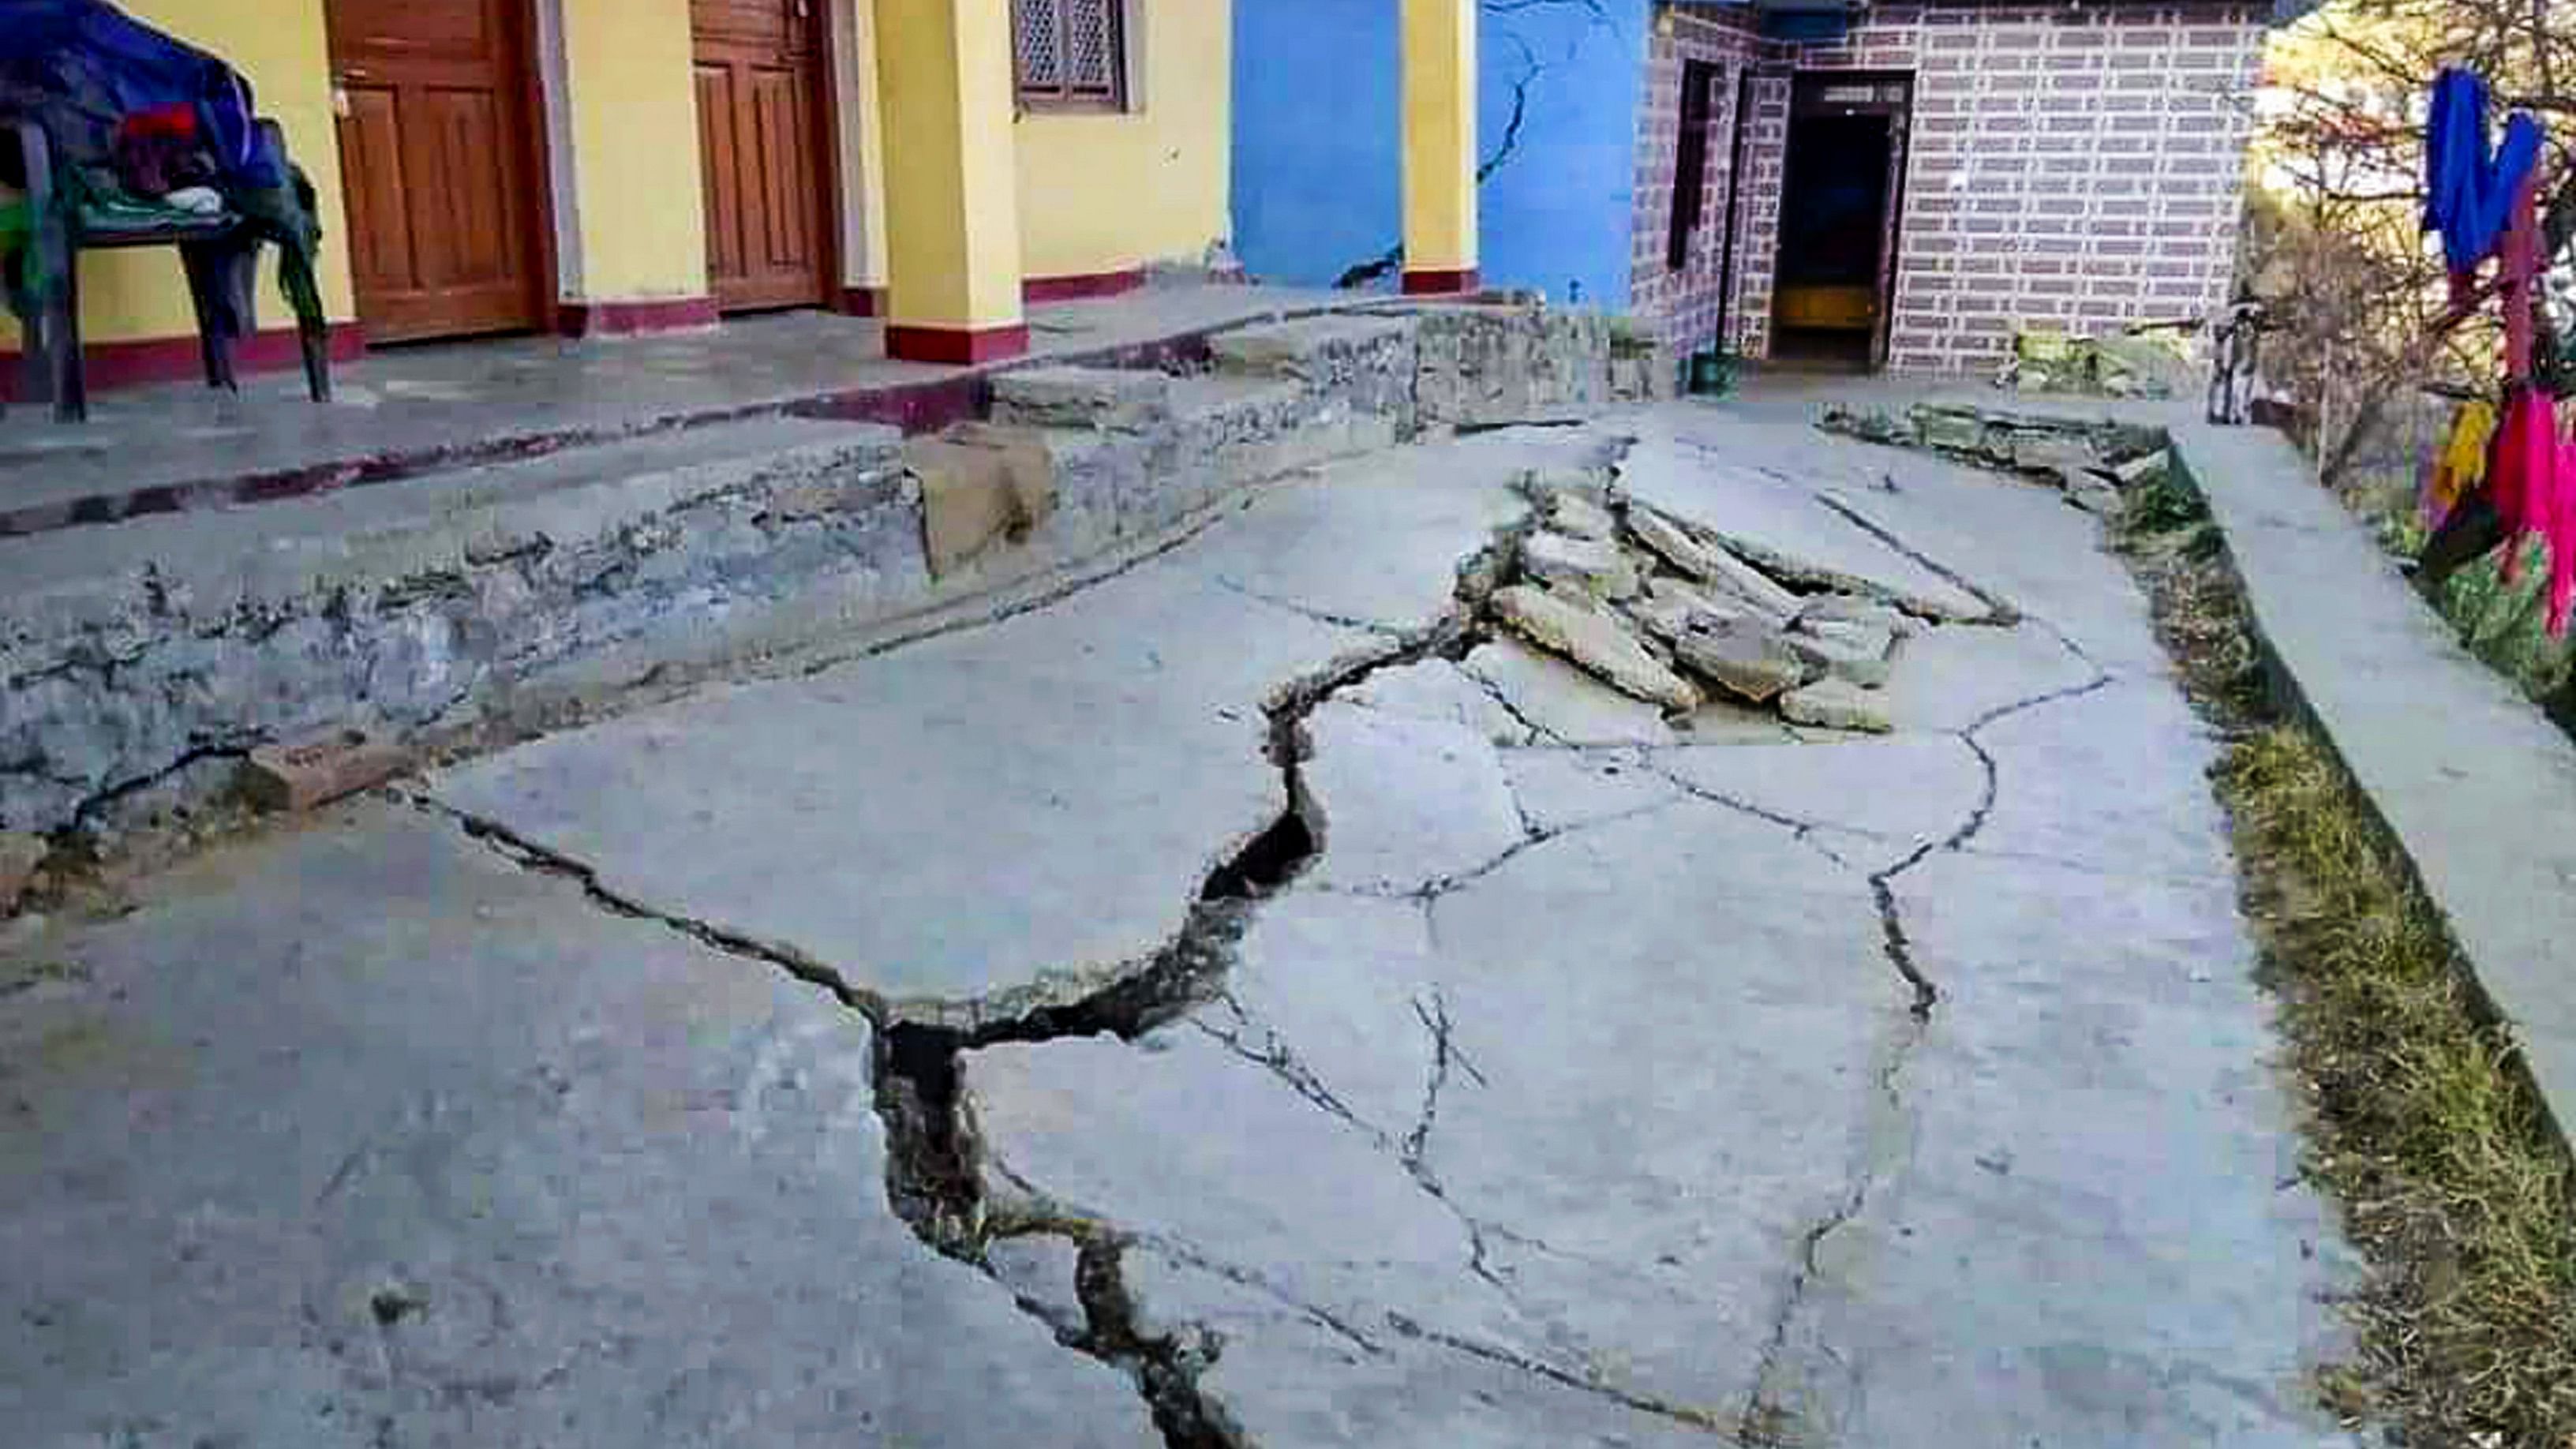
<point x="952" y="220"/>
<point x="281" y="46"/>
<point x="1103" y="192"/>
<point x="640" y="225"/>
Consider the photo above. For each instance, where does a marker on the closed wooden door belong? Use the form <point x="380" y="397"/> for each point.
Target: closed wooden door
<point x="760" y="138"/>
<point x="438" y="155"/>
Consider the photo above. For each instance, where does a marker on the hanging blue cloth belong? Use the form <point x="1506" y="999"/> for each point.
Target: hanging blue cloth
<point x="83" y="66"/>
<point x="2468" y="193"/>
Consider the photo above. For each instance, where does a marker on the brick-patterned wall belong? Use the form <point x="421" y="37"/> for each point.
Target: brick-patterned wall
<point x="2071" y="166"/>
<point x="1684" y="303"/>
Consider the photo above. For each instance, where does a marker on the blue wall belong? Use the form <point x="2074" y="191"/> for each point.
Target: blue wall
<point x="1317" y="172"/>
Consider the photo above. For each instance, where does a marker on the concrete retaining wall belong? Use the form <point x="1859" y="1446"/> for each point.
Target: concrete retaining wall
<point x="137" y="660"/>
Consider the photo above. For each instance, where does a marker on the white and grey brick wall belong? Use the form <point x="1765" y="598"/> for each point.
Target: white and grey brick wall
<point x="2078" y="167"/>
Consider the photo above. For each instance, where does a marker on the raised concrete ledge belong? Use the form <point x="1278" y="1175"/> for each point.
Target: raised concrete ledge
<point x="2476" y="787"/>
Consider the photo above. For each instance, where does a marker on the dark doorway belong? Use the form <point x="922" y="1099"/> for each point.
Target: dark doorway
<point x="1835" y="283"/>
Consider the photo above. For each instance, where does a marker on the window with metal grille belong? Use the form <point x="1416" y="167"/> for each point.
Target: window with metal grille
<point x="1071" y="52"/>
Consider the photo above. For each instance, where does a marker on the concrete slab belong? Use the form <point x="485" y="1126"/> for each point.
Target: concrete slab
<point x="1439" y="691"/>
<point x="1403" y="803"/>
<point x="1290" y="1382"/>
<point x="2471" y="780"/>
<point x="1951" y="677"/>
<point x="1903" y="793"/>
<point x="1559" y="789"/>
<point x="2089" y="1226"/>
<point x="1562" y="703"/>
<point x="2091" y="781"/>
<point x="363" y="1135"/>
<point x="1377" y="541"/>
<point x="1763" y="507"/>
<point x="1339" y="985"/>
<point x="1098" y="762"/>
<point x="1585" y="1005"/>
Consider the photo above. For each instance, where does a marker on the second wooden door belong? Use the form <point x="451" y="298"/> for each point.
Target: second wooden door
<point x="760" y="137"/>
<point x="438" y="155"/>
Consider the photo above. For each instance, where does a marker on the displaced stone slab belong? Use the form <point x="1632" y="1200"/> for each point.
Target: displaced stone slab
<point x="1564" y="704"/>
<point x="1576" y="516"/>
<point x="1673" y="544"/>
<point x="1836" y="704"/>
<point x="1403" y="802"/>
<point x="1779" y="526"/>
<point x="1595" y="640"/>
<point x="1098" y="761"/>
<point x="555" y="1176"/>
<point x="1857" y="653"/>
<point x="1747" y="659"/>
<point x="1593" y="565"/>
<point x="1381" y="539"/>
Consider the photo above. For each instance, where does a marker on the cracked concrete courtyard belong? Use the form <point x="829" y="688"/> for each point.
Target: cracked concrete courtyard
<point x="1245" y="999"/>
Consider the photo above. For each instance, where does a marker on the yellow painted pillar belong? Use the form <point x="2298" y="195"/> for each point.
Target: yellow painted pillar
<point x="635" y="237"/>
<point x="951" y="181"/>
<point x="1439" y="146"/>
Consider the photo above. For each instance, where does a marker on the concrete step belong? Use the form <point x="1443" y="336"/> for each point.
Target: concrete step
<point x="1308" y="348"/>
<point x="127" y="649"/>
<point x="1062" y="397"/>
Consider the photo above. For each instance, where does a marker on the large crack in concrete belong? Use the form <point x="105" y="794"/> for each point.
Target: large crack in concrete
<point x="1768" y="1418"/>
<point x="935" y="1160"/>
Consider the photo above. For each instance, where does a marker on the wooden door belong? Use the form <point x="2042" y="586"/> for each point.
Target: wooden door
<point x="438" y="155"/>
<point x="760" y="140"/>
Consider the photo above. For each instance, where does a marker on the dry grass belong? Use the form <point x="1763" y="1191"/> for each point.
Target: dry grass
<point x="2423" y="1125"/>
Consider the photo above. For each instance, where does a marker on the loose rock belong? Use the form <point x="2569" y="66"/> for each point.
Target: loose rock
<point x="1593" y="638"/>
<point x="1576" y="516"/>
<point x="1747" y="659"/>
<point x="1856" y="652"/>
<point x="1835" y="704"/>
<point x="1595" y="566"/>
<point x="1672" y="607"/>
<point x="1851" y="609"/>
<point x="20" y="858"/>
<point x="1671" y="543"/>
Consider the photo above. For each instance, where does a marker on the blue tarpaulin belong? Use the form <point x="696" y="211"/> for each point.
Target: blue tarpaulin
<point x="83" y="66"/>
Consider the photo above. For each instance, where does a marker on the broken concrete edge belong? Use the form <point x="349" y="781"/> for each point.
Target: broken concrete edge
<point x="509" y="602"/>
<point x="2512" y="986"/>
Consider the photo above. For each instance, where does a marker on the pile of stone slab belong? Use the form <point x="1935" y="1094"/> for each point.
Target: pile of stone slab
<point x="1655" y="606"/>
<point x="2095" y="462"/>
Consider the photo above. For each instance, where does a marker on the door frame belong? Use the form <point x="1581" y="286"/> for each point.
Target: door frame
<point x="544" y="263"/>
<point x="826" y="123"/>
<point x="1893" y="97"/>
